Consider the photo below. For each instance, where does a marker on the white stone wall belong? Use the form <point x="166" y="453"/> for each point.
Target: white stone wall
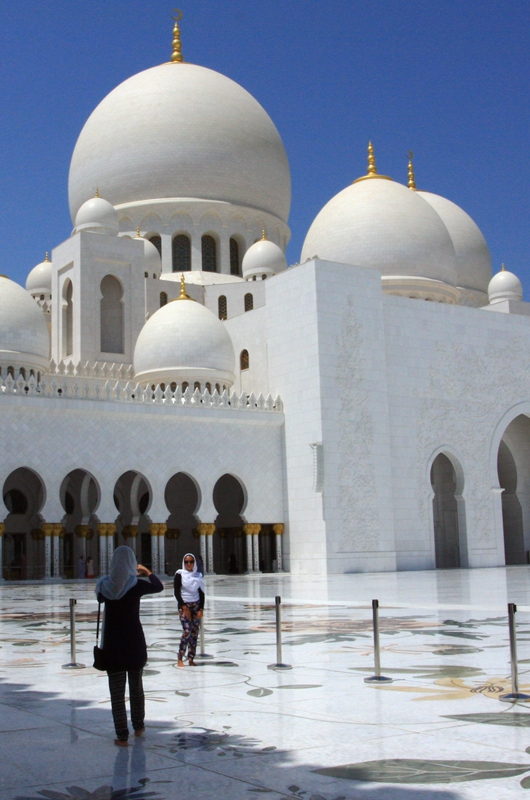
<point x="248" y="331"/>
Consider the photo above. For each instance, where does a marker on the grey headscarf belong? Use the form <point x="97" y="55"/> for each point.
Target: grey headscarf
<point x="122" y="574"/>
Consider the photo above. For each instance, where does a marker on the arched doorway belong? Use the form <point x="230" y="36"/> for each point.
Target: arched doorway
<point x="182" y="499"/>
<point x="513" y="469"/>
<point x="229" y="545"/>
<point x="447" y="486"/>
<point x="23" y="494"/>
<point x="132" y="498"/>
<point x="79" y="496"/>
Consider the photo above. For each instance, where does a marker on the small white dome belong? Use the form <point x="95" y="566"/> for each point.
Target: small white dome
<point x="181" y="131"/>
<point x="184" y="341"/>
<point x="24" y="336"/>
<point x="383" y="225"/>
<point x="39" y="280"/>
<point x="98" y="216"/>
<point x="153" y="262"/>
<point x="473" y="260"/>
<point x="263" y="258"/>
<point x="504" y="286"/>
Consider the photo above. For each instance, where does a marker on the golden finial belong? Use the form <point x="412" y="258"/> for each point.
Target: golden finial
<point x="263" y="235"/>
<point x="412" y="182"/>
<point x="176" y="56"/>
<point x="138" y="234"/>
<point x="372" y="169"/>
<point x="183" y="294"/>
<point x="503" y="268"/>
<point x="47" y="259"/>
<point x="97" y="192"/>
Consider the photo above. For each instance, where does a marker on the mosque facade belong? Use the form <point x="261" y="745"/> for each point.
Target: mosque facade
<point x="168" y="382"/>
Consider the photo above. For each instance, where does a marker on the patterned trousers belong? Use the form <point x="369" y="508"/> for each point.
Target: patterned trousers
<point x="117" y="682"/>
<point x="190" y="631"/>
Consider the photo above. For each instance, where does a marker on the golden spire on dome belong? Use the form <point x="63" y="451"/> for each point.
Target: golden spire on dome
<point x="412" y="181"/>
<point x="176" y="55"/>
<point x="97" y="192"/>
<point x="503" y="268"/>
<point x="263" y="235"/>
<point x="47" y="259"/>
<point x="372" y="169"/>
<point x="183" y="294"/>
<point x="138" y="234"/>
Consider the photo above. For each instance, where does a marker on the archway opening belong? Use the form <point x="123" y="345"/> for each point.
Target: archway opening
<point x="513" y="468"/>
<point x="79" y="496"/>
<point x="182" y="499"/>
<point x="445" y="513"/>
<point x="23" y="556"/>
<point x="111" y="316"/>
<point x="132" y="498"/>
<point x="230" y="556"/>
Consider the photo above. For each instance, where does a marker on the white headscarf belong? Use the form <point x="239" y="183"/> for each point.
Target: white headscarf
<point x="192" y="581"/>
<point x="122" y="574"/>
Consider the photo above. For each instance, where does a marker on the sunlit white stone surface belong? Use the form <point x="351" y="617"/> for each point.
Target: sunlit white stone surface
<point x="231" y="728"/>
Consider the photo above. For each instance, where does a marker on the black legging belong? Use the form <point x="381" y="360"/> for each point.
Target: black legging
<point x="117" y="698"/>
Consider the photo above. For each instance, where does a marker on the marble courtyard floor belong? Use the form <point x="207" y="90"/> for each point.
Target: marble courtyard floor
<point x="233" y="729"/>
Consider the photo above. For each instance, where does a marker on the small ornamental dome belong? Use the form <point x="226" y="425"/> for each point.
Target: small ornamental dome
<point x="504" y="286"/>
<point x="382" y="225"/>
<point x="24" y="336"/>
<point x="39" y="280"/>
<point x="152" y="260"/>
<point x="97" y="216"/>
<point x="263" y="259"/>
<point x="184" y="342"/>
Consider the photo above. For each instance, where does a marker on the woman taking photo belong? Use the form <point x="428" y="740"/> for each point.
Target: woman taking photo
<point x="188" y="587"/>
<point x="124" y="647"/>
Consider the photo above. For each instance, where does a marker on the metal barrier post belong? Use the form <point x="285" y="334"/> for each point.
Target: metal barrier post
<point x="279" y="664"/>
<point x="73" y="663"/>
<point x="377" y="678"/>
<point x="202" y="654"/>
<point x="515" y="694"/>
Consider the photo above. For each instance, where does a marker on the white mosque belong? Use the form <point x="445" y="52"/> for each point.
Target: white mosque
<point x="167" y="381"/>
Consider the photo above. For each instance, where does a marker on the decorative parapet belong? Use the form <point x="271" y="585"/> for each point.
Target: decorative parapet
<point x="68" y="384"/>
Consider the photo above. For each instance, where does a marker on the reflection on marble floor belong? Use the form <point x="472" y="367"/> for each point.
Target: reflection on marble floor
<point x="231" y="728"/>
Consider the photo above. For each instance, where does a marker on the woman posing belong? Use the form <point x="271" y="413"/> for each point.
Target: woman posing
<point x="124" y="647"/>
<point x="188" y="587"/>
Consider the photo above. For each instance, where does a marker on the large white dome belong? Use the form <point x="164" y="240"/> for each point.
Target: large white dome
<point x="383" y="225"/>
<point x="473" y="260"/>
<point x="184" y="341"/>
<point x="181" y="131"/>
<point x="24" y="336"/>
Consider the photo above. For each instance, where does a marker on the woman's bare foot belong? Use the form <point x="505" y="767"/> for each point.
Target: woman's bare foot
<point x="139" y="732"/>
<point x="180" y="663"/>
<point x="121" y="742"/>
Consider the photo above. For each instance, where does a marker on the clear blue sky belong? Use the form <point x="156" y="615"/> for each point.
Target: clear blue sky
<point x="446" y="79"/>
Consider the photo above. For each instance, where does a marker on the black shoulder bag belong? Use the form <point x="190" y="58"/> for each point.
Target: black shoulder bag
<point x="99" y="654"/>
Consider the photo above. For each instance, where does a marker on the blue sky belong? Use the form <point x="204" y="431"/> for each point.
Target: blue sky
<point x="446" y="79"/>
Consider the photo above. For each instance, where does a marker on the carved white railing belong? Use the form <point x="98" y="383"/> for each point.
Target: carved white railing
<point x="78" y="387"/>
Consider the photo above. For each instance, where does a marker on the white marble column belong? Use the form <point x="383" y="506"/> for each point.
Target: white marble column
<point x="255" y="542"/>
<point x="162" y="528"/>
<point x="57" y="529"/>
<point x="204" y="556"/>
<point x="102" y="532"/>
<point x="111" y="530"/>
<point x="47" y="552"/>
<point x="210" y="570"/>
<point x="153" y="530"/>
<point x="248" y="538"/>
<point x="278" y="530"/>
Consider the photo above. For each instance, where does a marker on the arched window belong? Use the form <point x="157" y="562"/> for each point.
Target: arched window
<point x="244" y="361"/>
<point x="163" y="299"/>
<point x="234" y="257"/>
<point x="209" y="253"/>
<point x="222" y="307"/>
<point x="249" y="302"/>
<point x="111" y="315"/>
<point x="156" y="239"/>
<point x="68" y="319"/>
<point x="181" y="253"/>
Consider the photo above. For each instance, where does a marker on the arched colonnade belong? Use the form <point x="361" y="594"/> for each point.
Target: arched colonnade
<point x="33" y="548"/>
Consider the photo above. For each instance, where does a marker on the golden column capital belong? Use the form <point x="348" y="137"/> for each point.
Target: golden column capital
<point x="2" y="528"/>
<point x="206" y="528"/>
<point x="252" y="528"/>
<point x="82" y="531"/>
<point x="278" y="528"/>
<point x="162" y="529"/>
<point x="153" y="528"/>
<point x="111" y="529"/>
<point x="102" y="528"/>
<point x="47" y="528"/>
<point x="130" y="532"/>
